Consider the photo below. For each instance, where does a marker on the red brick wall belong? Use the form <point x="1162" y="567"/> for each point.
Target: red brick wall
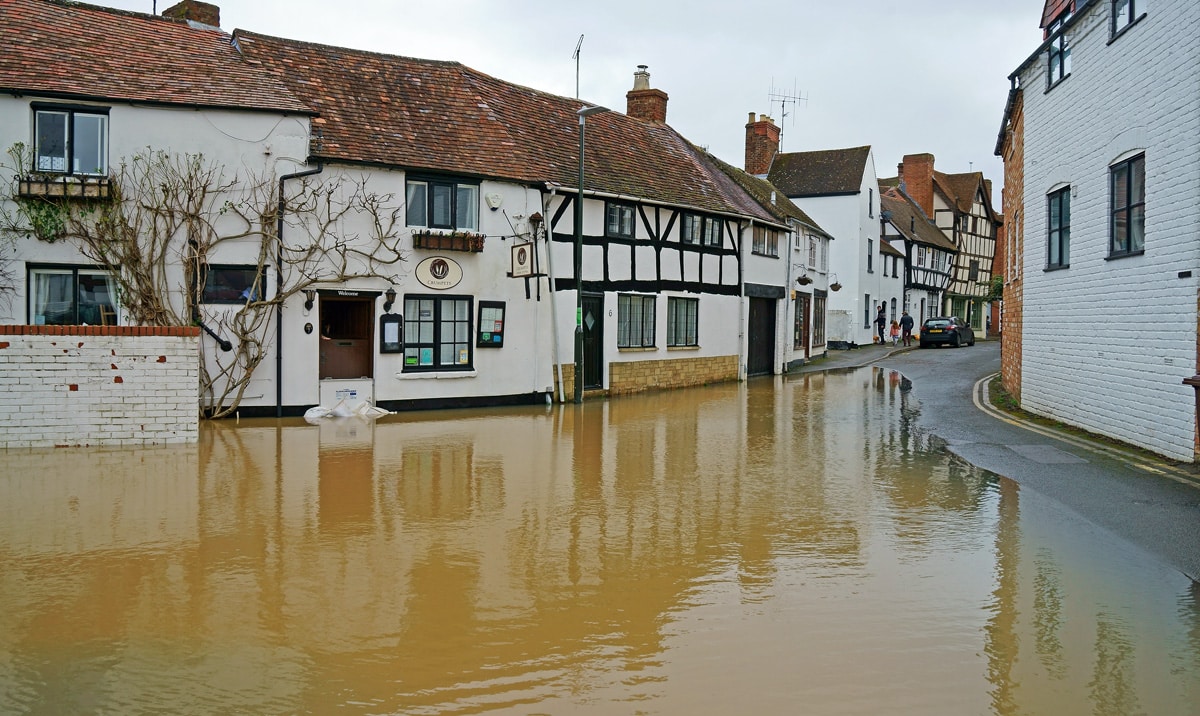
<point x="646" y="104"/>
<point x="1013" y="153"/>
<point x="916" y="171"/>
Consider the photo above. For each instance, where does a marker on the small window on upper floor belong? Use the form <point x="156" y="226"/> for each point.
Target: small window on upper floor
<point x="689" y="229"/>
<point x="618" y="220"/>
<point x="1125" y="13"/>
<point x="442" y="204"/>
<point x="1058" y="54"/>
<point x="765" y="241"/>
<point x="70" y="140"/>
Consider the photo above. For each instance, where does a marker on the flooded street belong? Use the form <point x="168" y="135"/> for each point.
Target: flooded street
<point x="773" y="547"/>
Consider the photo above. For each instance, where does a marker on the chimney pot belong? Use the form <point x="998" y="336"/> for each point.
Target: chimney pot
<point x="645" y="103"/>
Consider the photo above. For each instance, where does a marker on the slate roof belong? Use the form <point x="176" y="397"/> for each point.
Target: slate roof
<point x="440" y="116"/>
<point x="910" y="221"/>
<point x="70" y="50"/>
<point x="821" y="173"/>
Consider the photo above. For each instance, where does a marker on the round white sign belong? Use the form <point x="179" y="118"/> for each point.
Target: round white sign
<point x="439" y="273"/>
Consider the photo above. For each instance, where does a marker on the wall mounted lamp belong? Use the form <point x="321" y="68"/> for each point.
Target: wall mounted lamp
<point x="389" y="299"/>
<point x="309" y="297"/>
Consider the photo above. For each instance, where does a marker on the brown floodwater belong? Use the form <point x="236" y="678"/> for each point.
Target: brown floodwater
<point x="773" y="547"/>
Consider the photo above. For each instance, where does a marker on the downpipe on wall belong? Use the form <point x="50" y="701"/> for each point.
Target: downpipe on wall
<point x="279" y="283"/>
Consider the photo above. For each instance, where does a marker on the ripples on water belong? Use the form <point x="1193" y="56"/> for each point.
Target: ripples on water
<point x="794" y="546"/>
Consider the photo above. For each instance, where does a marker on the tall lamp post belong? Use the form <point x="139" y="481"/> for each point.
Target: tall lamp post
<point x="583" y="113"/>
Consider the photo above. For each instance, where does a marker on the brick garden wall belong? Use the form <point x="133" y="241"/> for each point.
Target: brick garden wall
<point x="643" y="375"/>
<point x="71" y="386"/>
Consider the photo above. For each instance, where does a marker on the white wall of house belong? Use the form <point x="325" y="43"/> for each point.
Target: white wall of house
<point x="1107" y="342"/>
<point x="851" y="219"/>
<point x="242" y="143"/>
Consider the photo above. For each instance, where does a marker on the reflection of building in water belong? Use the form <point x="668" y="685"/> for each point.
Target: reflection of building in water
<point x="481" y="558"/>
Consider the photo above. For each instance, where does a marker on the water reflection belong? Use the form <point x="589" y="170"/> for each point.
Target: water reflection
<point x="739" y="548"/>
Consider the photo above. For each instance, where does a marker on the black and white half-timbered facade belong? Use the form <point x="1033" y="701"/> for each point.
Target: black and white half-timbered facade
<point x="929" y="254"/>
<point x="684" y="274"/>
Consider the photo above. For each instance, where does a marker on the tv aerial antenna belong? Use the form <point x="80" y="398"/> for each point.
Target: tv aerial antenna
<point x="578" y="47"/>
<point x="787" y="101"/>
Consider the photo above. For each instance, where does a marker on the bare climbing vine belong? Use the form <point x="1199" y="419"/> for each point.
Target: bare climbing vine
<point x="167" y="217"/>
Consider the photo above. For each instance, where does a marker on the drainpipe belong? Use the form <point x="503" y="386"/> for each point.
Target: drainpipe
<point x="744" y="309"/>
<point x="789" y="305"/>
<point x="279" y="286"/>
<point x="553" y="298"/>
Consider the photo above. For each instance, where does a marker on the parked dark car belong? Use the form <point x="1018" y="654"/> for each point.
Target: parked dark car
<point x="946" y="330"/>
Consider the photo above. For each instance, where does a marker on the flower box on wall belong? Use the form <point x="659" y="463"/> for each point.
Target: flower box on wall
<point x="65" y="186"/>
<point x="452" y="241"/>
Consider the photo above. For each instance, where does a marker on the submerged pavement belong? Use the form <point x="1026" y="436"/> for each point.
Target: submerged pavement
<point x="1151" y="502"/>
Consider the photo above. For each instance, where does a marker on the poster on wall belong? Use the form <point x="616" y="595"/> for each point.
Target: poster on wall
<point x="491" y="325"/>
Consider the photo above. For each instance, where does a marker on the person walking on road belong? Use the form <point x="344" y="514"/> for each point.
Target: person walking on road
<point x="906" y="326"/>
<point x="880" y="322"/>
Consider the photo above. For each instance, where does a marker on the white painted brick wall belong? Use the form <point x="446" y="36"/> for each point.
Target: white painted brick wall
<point x="98" y="387"/>
<point x="1108" y="342"/>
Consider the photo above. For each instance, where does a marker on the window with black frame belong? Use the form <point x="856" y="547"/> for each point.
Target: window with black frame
<point x="442" y="204"/>
<point x="71" y="296"/>
<point x="618" y="220"/>
<point x="1128" y="201"/>
<point x="437" y="333"/>
<point x="232" y="284"/>
<point x="1058" y="53"/>
<point x="70" y="140"/>
<point x="635" y="321"/>
<point x="1058" y="222"/>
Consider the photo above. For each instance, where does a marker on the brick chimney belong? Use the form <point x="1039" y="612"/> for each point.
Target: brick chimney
<point x="916" y="174"/>
<point x="644" y="103"/>
<point x="195" y="11"/>
<point x="762" y="144"/>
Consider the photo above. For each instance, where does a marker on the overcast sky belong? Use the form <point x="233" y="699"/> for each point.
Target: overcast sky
<point x="905" y="76"/>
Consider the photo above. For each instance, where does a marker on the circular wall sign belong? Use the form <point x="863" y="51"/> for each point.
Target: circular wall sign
<point x="439" y="273"/>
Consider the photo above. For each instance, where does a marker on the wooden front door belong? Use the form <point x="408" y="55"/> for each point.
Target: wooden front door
<point x="760" y="358"/>
<point x="347" y="338"/>
<point x="802" y="336"/>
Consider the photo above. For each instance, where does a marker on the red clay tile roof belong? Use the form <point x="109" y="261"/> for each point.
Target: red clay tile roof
<point x="71" y="50"/>
<point x="822" y="173"/>
<point x="962" y="188"/>
<point x="767" y="195"/>
<point x="440" y="116"/>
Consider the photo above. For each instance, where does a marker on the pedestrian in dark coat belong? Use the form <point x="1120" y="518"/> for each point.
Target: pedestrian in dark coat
<point x="881" y="322"/>
<point x="906" y="326"/>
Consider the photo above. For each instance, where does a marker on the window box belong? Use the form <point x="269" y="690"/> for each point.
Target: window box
<point x="456" y="241"/>
<point x="65" y="186"/>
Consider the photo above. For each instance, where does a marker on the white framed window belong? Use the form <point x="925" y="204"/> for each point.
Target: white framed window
<point x="71" y="296"/>
<point x="765" y="241"/>
<point x="70" y="140"/>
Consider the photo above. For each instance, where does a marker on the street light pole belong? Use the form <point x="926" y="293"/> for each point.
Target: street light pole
<point x="583" y="113"/>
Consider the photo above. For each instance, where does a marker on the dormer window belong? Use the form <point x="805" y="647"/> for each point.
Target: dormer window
<point x="70" y="140"/>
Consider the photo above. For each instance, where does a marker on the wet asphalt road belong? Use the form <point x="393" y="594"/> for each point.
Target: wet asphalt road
<point x="1154" y="505"/>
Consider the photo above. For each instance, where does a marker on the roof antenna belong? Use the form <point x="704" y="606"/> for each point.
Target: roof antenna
<point x="576" y="58"/>
<point x="785" y="100"/>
